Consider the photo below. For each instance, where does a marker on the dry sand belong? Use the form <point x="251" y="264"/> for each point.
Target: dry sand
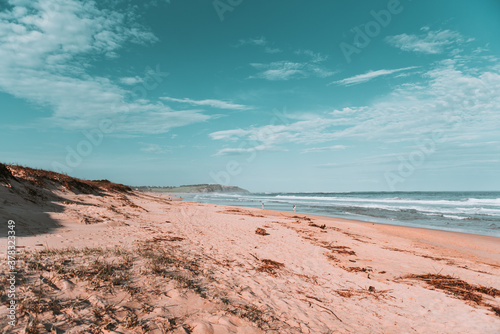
<point x="128" y="262"/>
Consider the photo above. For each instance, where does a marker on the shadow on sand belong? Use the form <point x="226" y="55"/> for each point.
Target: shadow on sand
<point x="27" y="196"/>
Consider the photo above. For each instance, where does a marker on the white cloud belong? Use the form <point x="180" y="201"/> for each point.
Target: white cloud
<point x="286" y="70"/>
<point x="259" y="42"/>
<point x="272" y="50"/>
<point x="324" y="149"/>
<point x="279" y="70"/>
<point x="346" y="111"/>
<point x="131" y="80"/>
<point x="229" y="134"/>
<point x="455" y="98"/>
<point x="156" y="119"/>
<point x="308" y="130"/>
<point x="47" y="47"/>
<point x="211" y="103"/>
<point x="315" y="57"/>
<point x="154" y="148"/>
<point x="329" y="165"/>
<point x="361" y="78"/>
<point x="238" y="151"/>
<point x="431" y="42"/>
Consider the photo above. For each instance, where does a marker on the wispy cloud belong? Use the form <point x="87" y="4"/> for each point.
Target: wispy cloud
<point x="154" y="148"/>
<point x="431" y="42"/>
<point x="306" y="130"/>
<point x="260" y="42"/>
<point x="315" y="57"/>
<point x="361" y="78"/>
<point x="131" y="80"/>
<point x="45" y="62"/>
<point x="324" y="149"/>
<point x="454" y="97"/>
<point x="269" y="49"/>
<point x="286" y="70"/>
<point x="220" y="104"/>
<point x="257" y="41"/>
<point x="241" y="150"/>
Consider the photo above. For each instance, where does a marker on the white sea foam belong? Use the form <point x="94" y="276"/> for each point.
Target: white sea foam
<point x="396" y="200"/>
<point x="467" y="212"/>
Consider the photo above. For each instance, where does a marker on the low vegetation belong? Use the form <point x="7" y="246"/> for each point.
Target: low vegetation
<point x="42" y="178"/>
<point x="459" y="288"/>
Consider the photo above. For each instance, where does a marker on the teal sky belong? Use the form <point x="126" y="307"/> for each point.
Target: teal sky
<point x="267" y="95"/>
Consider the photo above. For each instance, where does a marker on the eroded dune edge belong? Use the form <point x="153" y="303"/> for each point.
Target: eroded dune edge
<point x="98" y="257"/>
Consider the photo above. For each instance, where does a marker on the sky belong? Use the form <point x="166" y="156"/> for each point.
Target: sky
<point x="271" y="96"/>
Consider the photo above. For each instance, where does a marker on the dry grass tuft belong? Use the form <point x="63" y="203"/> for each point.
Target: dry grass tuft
<point x="457" y="287"/>
<point x="331" y="257"/>
<point x="166" y="238"/>
<point x="496" y="310"/>
<point x="269" y="266"/>
<point x="254" y="314"/>
<point x="357" y="269"/>
<point x="241" y="212"/>
<point x="261" y="231"/>
<point x="108" y="272"/>
<point x="338" y="249"/>
<point x="318" y="226"/>
<point x="5" y="174"/>
<point x="41" y="178"/>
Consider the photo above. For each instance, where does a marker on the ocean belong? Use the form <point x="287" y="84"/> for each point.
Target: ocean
<point x="469" y="212"/>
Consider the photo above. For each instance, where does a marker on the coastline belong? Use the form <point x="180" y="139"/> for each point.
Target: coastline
<point x="422" y="234"/>
<point x="207" y="266"/>
<point x="462" y="242"/>
<point x="470" y="212"/>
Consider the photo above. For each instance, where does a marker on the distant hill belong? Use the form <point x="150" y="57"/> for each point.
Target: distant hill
<point x="196" y="188"/>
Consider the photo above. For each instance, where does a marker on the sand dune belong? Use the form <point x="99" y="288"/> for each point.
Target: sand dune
<point x="95" y="257"/>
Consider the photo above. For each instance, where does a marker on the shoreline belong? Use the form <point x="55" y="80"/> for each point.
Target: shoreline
<point x="437" y="212"/>
<point x="291" y="214"/>
<point x="471" y="244"/>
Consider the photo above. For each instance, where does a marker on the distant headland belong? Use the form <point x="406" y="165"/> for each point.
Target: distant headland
<point x="195" y="188"/>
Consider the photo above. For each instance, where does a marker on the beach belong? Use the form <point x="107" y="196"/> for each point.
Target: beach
<point x="248" y="167"/>
<point x="472" y="212"/>
<point x="132" y="262"/>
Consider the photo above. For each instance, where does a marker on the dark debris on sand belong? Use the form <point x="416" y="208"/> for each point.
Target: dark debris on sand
<point x="460" y="288"/>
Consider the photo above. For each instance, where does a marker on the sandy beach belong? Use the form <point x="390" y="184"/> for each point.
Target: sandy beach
<point x="111" y="260"/>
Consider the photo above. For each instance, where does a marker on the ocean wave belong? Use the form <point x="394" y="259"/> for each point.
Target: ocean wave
<point x="472" y="213"/>
<point x="409" y="208"/>
<point x="458" y="217"/>
<point x="463" y="201"/>
<point x="352" y="204"/>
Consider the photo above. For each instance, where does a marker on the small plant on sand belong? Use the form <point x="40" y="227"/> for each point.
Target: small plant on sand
<point x="260" y="231"/>
<point x="457" y="287"/>
<point x="318" y="226"/>
<point x="460" y="289"/>
<point x="269" y="266"/>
